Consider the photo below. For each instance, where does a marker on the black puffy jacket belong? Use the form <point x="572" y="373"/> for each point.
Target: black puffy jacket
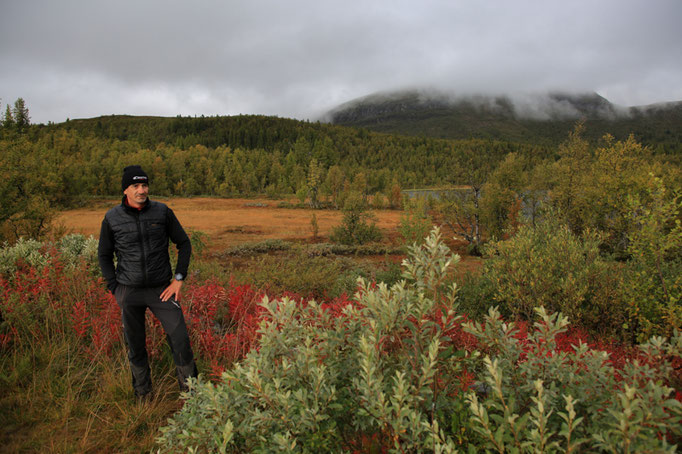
<point x="139" y="238"/>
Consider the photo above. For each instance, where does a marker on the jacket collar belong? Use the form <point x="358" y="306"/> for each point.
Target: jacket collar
<point x="145" y="207"/>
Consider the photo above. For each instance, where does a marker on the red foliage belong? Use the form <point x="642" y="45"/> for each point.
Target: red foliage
<point x="55" y="301"/>
<point x="222" y="320"/>
<point x="369" y="443"/>
<point x="460" y="339"/>
<point x="108" y="327"/>
<point x="80" y="319"/>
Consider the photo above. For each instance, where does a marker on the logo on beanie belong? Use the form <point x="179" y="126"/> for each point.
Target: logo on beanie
<point x="139" y="178"/>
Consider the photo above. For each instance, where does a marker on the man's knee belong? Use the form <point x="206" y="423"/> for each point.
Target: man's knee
<point x="180" y="345"/>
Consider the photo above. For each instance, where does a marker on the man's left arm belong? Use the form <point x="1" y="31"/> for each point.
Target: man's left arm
<point x="178" y="236"/>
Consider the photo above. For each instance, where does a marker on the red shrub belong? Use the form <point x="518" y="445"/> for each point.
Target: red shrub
<point x="222" y="320"/>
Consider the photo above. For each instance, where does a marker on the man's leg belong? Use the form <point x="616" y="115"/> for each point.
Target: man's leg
<point x="170" y="315"/>
<point x="133" y="307"/>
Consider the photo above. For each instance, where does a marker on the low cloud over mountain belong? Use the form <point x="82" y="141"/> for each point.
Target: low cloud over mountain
<point x="529" y="106"/>
<point x="518" y="116"/>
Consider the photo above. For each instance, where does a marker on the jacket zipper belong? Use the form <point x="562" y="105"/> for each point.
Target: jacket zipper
<point x="142" y="249"/>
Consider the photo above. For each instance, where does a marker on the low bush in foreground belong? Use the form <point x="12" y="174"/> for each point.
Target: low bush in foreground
<point x="539" y="397"/>
<point x="395" y="369"/>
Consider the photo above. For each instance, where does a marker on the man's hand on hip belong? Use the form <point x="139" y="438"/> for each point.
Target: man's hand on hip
<point x="173" y="290"/>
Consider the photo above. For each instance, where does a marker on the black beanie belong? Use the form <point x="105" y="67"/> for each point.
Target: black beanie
<point x="132" y="175"/>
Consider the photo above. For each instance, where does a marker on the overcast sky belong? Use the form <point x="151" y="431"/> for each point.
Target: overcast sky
<point x="299" y="58"/>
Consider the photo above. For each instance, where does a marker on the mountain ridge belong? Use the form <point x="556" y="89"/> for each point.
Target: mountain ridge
<point x="534" y="117"/>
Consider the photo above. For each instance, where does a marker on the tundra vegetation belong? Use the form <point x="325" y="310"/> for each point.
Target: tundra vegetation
<point x="567" y="339"/>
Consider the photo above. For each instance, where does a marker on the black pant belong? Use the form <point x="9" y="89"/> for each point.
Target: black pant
<point x="134" y="303"/>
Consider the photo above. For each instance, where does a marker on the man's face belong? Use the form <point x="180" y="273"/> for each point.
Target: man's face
<point x="137" y="194"/>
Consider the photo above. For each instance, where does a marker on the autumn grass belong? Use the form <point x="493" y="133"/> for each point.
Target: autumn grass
<point x="231" y="222"/>
<point x="53" y="399"/>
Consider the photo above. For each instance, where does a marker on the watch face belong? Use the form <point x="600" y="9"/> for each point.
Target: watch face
<point x="179" y="277"/>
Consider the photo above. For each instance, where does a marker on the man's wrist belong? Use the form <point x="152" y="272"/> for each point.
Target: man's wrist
<point x="179" y="277"/>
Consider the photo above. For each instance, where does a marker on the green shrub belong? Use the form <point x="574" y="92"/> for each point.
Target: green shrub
<point x="301" y="194"/>
<point x="73" y="247"/>
<point x="390" y="274"/>
<point x="654" y="271"/>
<point x="28" y="251"/>
<point x="415" y="223"/>
<point x="384" y="373"/>
<point x="198" y="240"/>
<point x="475" y="294"/>
<point x="356" y="226"/>
<point x="379" y="201"/>
<point x="550" y="266"/>
<point x="537" y="398"/>
<point x="324" y="380"/>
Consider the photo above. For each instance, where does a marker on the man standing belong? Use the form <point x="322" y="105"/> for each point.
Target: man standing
<point x="137" y="231"/>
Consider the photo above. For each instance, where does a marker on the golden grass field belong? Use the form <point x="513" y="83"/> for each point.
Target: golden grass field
<point x="229" y="222"/>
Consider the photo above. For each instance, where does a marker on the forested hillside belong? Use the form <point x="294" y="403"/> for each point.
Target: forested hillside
<point x="46" y="167"/>
<point x="58" y="165"/>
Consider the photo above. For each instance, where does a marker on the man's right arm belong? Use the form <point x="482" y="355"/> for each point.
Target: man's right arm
<point x="105" y="254"/>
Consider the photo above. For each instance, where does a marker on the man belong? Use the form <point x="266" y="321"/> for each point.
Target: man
<point x="137" y="231"/>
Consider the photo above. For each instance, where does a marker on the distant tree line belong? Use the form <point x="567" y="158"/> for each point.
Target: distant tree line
<point x="46" y="167"/>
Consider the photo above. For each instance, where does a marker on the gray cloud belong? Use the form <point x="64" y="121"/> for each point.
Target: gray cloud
<point x="299" y="58"/>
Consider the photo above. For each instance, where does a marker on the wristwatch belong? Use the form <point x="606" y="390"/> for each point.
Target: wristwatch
<point x="179" y="277"/>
